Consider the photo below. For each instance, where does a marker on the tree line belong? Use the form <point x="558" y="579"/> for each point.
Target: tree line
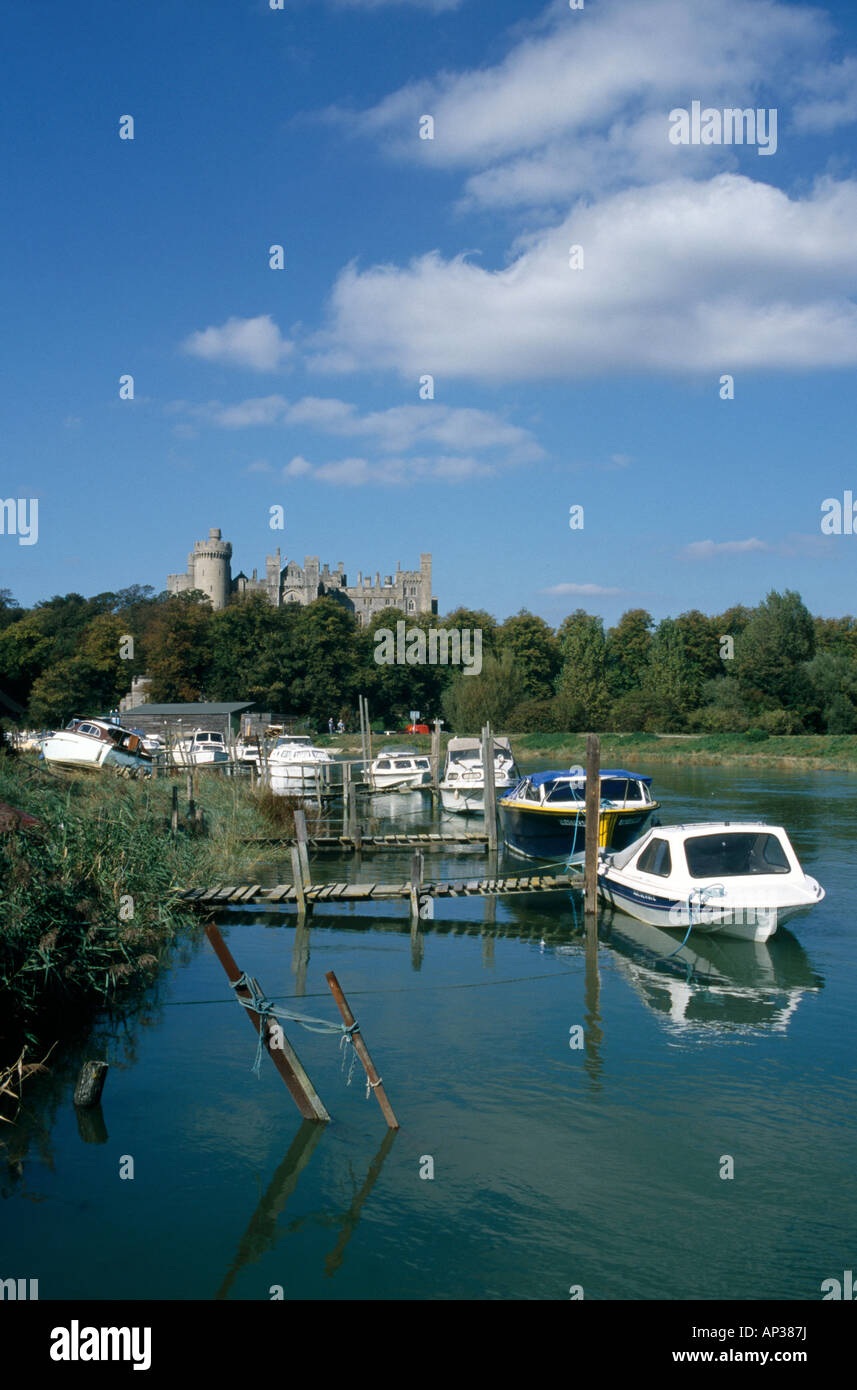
<point x="773" y="667"/>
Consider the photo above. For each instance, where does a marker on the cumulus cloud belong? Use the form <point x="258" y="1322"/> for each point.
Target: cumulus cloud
<point x="255" y="343"/>
<point x="684" y="276"/>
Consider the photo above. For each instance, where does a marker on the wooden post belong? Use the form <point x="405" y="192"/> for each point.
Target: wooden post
<point x="346" y="796"/>
<point x="301" y="836"/>
<point x="191" y="803"/>
<point x="435" y="754"/>
<point x="285" y="1058"/>
<point x="593" y="807"/>
<point x="362" y="1051"/>
<point x="298" y="875"/>
<point x="489" y="794"/>
<point x="416" y="882"/>
<point x="90" y="1083"/>
<point x="174" y="819"/>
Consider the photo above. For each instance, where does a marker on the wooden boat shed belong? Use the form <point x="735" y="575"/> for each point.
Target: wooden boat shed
<point x="179" y="719"/>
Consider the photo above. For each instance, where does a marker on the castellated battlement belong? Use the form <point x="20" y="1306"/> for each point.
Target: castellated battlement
<point x="209" y="570"/>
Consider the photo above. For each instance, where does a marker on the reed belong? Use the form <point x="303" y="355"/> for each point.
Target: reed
<point x="86" y="910"/>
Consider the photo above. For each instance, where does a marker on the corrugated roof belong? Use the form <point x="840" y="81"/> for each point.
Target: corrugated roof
<point x="189" y="709"/>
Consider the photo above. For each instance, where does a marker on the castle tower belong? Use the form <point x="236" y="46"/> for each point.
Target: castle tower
<point x="212" y="572"/>
<point x="425" y="600"/>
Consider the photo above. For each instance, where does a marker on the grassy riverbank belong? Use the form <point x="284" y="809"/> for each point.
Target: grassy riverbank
<point x="834" y="752"/>
<point x="86" y="913"/>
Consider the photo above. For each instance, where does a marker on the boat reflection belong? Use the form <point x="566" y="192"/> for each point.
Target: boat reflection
<point x="711" y="985"/>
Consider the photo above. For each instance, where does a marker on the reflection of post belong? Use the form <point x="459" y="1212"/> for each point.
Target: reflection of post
<point x="593" y="807"/>
<point x="300" y="956"/>
<point x="418" y="944"/>
<point x="261" y="1234"/>
<point x="592" y="1030"/>
<point x="91" y="1126"/>
<point x="352" y="1216"/>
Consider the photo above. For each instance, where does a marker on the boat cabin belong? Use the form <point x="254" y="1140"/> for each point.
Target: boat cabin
<point x="617" y="788"/>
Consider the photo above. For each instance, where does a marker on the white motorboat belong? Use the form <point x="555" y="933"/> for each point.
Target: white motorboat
<point x="153" y="743"/>
<point x="399" y="769"/>
<point x="462" y="787"/>
<point x="296" y="765"/>
<point x="739" y="878"/>
<point x="96" y="743"/>
<point x="202" y="746"/>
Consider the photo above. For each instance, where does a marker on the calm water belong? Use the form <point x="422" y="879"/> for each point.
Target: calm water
<point x="553" y="1167"/>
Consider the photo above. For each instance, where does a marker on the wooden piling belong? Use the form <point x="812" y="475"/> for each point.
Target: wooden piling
<point x="90" y="1083"/>
<point x="301" y="837"/>
<point x="346" y="797"/>
<point x="435" y="754"/>
<point x="489" y="794"/>
<point x="362" y="1051"/>
<point x="284" y="1057"/>
<point x="174" y="819"/>
<point x="298" y="875"/>
<point x="593" y="807"/>
<point x="416" y="882"/>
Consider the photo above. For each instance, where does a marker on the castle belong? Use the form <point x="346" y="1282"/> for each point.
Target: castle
<point x="209" y="569"/>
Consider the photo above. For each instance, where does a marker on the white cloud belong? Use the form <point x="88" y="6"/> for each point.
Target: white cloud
<point x="686" y="276"/>
<point x="590" y="590"/>
<point x="255" y="343"/>
<point x="704" y="550"/>
<point x="390" y="472"/>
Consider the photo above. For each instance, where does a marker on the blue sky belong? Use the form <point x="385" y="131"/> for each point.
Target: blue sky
<point x="553" y="387"/>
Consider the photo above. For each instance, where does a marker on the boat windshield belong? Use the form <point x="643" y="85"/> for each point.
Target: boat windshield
<point x="563" y="791"/>
<point x="620" y="789"/>
<point x="734" y="854"/>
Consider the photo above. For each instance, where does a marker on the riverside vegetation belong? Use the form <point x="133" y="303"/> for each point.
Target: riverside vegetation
<point x="773" y="668"/>
<point x="86" y="911"/>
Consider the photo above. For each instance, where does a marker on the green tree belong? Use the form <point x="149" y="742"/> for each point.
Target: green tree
<point x="178" y="650"/>
<point x="771" y="653"/>
<point x="535" y="649"/>
<point x="327" y="660"/>
<point x="582" y="682"/>
<point x="627" y="651"/>
<point x="469" y="702"/>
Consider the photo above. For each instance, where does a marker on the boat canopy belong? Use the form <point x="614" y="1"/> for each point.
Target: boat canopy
<point x="539" y="778"/>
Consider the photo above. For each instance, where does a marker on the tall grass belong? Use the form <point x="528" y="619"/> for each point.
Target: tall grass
<point x="87" y="914"/>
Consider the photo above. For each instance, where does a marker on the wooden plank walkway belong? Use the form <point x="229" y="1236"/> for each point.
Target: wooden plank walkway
<point x="373" y="892"/>
<point x="344" y="842"/>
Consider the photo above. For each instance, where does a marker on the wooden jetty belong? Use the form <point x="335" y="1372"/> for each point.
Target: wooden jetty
<point x="284" y="893"/>
<point x="428" y="840"/>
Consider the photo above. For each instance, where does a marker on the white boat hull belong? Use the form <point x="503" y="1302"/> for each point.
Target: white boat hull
<point x="64" y="750"/>
<point x="399" y="781"/>
<point x="740" y="921"/>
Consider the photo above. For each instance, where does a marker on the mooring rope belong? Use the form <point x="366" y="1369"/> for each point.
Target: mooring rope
<point x="266" y="1009"/>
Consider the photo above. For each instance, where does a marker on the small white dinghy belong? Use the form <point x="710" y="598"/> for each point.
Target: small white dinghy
<point x="739" y="878"/>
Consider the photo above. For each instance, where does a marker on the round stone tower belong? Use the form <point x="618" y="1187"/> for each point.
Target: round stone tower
<point x="212" y="572"/>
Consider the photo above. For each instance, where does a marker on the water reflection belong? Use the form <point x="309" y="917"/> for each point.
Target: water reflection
<point x="712" y="985"/>
<point x="263" y="1233"/>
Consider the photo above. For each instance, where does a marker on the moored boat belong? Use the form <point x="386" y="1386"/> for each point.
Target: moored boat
<point x="96" y="743"/>
<point x="398" y="769"/>
<point x="741" y="879"/>
<point x="462" y="787"/>
<point x="544" y="816"/>
<point x="201" y="747"/>
<point x="296" y="765"/>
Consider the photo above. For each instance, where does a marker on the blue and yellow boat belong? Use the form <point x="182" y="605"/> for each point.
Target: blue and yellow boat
<point x="544" y="816"/>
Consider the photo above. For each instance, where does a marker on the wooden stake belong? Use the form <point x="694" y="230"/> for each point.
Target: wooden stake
<point x="301" y="837"/>
<point x="416" y="882"/>
<point x="435" y="755"/>
<point x="593" y="806"/>
<point x="298" y="875"/>
<point x="90" y="1083"/>
<point x="362" y="1051"/>
<point x="174" y="819"/>
<point x="489" y="794"/>
<point x="285" y="1058"/>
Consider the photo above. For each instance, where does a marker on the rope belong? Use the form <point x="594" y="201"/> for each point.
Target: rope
<point x="267" y="1009"/>
<point x="715" y="890"/>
